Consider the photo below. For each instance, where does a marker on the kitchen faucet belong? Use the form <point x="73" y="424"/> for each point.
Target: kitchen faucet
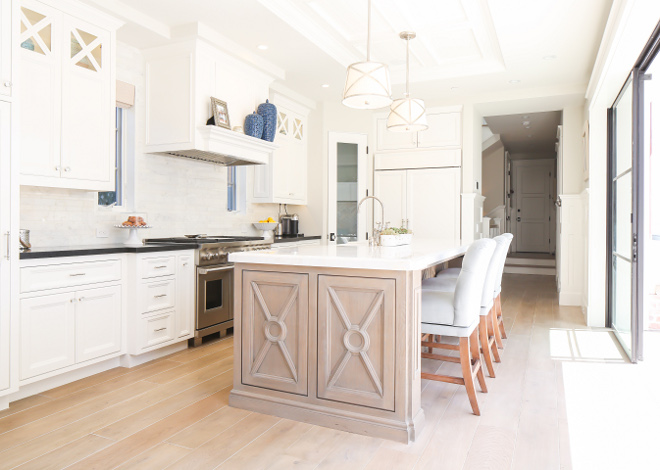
<point x="375" y="237"/>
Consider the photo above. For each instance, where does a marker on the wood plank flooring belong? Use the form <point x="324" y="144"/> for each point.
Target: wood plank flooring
<point x="173" y="413"/>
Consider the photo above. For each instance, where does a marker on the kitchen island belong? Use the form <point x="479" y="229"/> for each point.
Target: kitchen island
<point x="330" y="334"/>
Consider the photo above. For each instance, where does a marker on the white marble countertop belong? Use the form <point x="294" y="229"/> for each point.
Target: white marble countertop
<point x="421" y="254"/>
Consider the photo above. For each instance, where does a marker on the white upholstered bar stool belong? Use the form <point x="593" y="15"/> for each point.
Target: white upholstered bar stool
<point x="489" y="334"/>
<point x="498" y="321"/>
<point x="456" y="314"/>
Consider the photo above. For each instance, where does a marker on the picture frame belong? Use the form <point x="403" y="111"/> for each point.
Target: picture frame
<point x="220" y="113"/>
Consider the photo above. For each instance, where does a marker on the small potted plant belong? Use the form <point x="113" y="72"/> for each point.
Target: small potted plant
<point x="395" y="236"/>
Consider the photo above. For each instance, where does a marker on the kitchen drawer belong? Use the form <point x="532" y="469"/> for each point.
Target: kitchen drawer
<point x="158" y="266"/>
<point x="157" y="329"/>
<point x="157" y="295"/>
<point x="54" y="276"/>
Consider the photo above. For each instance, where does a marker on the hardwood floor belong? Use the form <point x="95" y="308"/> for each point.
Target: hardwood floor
<point x="173" y="413"/>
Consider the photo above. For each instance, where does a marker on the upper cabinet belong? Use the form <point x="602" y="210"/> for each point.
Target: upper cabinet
<point x="444" y="131"/>
<point x="284" y="178"/>
<point x="67" y="98"/>
<point x="6" y="79"/>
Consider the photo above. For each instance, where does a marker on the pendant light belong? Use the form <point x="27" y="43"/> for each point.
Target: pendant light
<point x="367" y="83"/>
<point x="407" y="114"/>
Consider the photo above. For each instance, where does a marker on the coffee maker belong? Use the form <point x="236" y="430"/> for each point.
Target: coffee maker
<point x="289" y="223"/>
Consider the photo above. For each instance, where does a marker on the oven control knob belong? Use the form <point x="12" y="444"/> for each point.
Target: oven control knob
<point x="206" y="256"/>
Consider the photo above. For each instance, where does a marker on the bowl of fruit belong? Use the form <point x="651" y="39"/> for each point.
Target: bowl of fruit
<point x="265" y="225"/>
<point x="395" y="237"/>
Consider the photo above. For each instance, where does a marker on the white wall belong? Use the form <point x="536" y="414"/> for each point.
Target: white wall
<point x="629" y="28"/>
<point x="493" y="176"/>
<point x="179" y="196"/>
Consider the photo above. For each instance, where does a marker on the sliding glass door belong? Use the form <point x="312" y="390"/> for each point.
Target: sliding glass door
<point x="623" y="121"/>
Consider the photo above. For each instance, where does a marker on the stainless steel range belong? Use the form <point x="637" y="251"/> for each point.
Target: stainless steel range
<point x="214" y="286"/>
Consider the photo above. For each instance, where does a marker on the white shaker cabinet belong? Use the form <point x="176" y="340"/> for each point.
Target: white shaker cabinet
<point x="444" y="132"/>
<point x="428" y="199"/>
<point x="67" y="96"/>
<point x="47" y="333"/>
<point x="161" y="300"/>
<point x="70" y="313"/>
<point x="6" y="75"/>
<point x="284" y="178"/>
<point x="98" y="324"/>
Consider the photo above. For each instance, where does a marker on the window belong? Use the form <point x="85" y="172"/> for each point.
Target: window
<point x="232" y="206"/>
<point x="115" y="198"/>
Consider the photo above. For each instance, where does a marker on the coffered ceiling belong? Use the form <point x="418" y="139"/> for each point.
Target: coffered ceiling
<point x="464" y="50"/>
<point x="454" y="37"/>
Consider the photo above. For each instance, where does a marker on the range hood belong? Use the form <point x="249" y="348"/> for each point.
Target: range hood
<point x="224" y="147"/>
<point x="181" y="78"/>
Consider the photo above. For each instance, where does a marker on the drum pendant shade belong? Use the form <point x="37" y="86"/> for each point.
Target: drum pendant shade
<point x="407" y="114"/>
<point x="367" y="83"/>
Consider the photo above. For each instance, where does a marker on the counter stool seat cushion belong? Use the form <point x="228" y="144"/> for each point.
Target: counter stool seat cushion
<point x="449" y="330"/>
<point x="449" y="272"/>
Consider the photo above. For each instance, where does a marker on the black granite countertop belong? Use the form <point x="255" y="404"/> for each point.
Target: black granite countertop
<point x="296" y="239"/>
<point x="57" y="252"/>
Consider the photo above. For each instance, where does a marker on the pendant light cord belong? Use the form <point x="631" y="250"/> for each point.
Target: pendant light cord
<point x="408" y="68"/>
<point x="369" y="31"/>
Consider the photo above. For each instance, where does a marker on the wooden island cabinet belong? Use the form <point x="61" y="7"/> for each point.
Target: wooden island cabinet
<point x="330" y="334"/>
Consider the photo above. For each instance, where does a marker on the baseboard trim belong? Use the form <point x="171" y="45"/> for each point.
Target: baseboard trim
<point x="329" y="418"/>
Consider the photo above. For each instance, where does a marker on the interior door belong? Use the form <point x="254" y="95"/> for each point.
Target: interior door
<point x="5" y="230"/>
<point x="533" y="195"/>
<point x="624" y="210"/>
<point x="347" y="184"/>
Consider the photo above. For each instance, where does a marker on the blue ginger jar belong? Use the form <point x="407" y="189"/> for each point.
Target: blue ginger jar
<point x="254" y="125"/>
<point x="269" y="112"/>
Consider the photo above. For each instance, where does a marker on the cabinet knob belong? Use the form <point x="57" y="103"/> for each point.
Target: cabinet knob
<point x="7" y="84"/>
<point x="57" y="168"/>
<point x="67" y="168"/>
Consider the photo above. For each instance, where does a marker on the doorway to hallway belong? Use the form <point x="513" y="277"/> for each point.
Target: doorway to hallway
<point x="532" y="195"/>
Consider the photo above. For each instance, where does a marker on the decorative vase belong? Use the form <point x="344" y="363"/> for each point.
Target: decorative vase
<point x="254" y="125"/>
<point x="269" y="112"/>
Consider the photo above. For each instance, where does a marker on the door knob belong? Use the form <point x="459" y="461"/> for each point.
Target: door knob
<point x="518" y="219"/>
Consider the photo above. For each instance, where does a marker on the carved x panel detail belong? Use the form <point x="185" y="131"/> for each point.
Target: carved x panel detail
<point x="356" y="332"/>
<point x="275" y="329"/>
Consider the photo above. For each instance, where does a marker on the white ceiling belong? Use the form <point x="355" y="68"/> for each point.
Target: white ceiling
<point x="527" y="136"/>
<point x="473" y="46"/>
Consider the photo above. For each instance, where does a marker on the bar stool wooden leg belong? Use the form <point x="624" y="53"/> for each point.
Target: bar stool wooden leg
<point x="492" y="337"/>
<point x="485" y="348"/>
<point x="466" y="366"/>
<point x="496" y="326"/>
<point x="500" y="320"/>
<point x="476" y="359"/>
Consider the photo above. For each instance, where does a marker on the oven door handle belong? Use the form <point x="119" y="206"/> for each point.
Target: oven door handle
<point x="203" y="271"/>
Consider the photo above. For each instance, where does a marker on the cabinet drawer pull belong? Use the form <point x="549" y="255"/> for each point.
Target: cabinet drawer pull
<point x="161" y="329"/>
<point x="159" y="296"/>
<point x="160" y="267"/>
<point x="77" y="274"/>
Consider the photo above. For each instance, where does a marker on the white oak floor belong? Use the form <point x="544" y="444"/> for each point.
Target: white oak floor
<point x="544" y="410"/>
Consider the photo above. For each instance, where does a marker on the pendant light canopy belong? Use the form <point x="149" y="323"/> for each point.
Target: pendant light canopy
<point x="407" y="114"/>
<point x="367" y="83"/>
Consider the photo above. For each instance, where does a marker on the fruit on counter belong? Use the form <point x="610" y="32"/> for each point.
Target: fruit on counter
<point x="269" y="220"/>
<point x="134" y="221"/>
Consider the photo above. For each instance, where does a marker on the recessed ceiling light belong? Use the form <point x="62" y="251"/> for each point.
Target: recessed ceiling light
<point x="262" y="47"/>
<point x="513" y="82"/>
<point x="549" y="57"/>
<point x="325" y="85"/>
